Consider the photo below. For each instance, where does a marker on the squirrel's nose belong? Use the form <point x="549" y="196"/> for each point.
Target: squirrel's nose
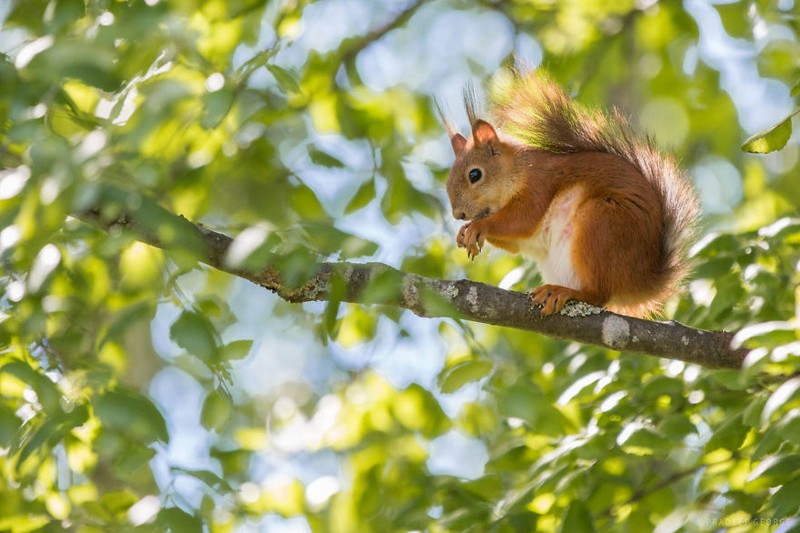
<point x="459" y="215"/>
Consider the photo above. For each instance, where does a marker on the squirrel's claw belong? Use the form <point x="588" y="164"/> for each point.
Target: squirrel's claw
<point x="552" y="298"/>
<point x="470" y="237"/>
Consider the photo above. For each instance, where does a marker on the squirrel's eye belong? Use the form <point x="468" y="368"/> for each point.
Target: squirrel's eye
<point x="475" y="174"/>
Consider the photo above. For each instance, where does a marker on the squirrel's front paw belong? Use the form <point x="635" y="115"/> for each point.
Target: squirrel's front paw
<point x="470" y="236"/>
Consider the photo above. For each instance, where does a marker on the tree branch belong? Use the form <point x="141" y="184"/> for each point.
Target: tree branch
<point x="376" y="283"/>
<point x="358" y="44"/>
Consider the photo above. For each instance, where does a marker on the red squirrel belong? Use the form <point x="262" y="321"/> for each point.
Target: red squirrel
<point x="605" y="215"/>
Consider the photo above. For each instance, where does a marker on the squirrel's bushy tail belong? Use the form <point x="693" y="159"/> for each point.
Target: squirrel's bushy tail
<point x="536" y="111"/>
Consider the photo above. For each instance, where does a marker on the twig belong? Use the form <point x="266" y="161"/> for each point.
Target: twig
<point x="354" y="48"/>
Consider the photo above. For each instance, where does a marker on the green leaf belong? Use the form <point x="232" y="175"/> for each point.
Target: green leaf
<point x="525" y="401"/>
<point x="206" y="476"/>
<point x="128" y="318"/>
<point x="307" y="205"/>
<point x="768" y="443"/>
<point x="453" y="378"/>
<point x="789" y="426"/>
<point x="44" y="431"/>
<point x="714" y="268"/>
<point x="217" y="104"/>
<point x="734" y="20"/>
<point x="318" y="157"/>
<point x="795" y="90"/>
<point x="118" y="501"/>
<point x="26" y="522"/>
<point x="730" y="379"/>
<point x="663" y="386"/>
<point x="752" y="413"/>
<point x="783" y="394"/>
<point x="285" y="80"/>
<point x="774" y="470"/>
<point x="785" y="501"/>
<point x="131" y="414"/>
<point x="772" y="334"/>
<point x="718" y="245"/>
<point x="781" y="229"/>
<point x="195" y="334"/>
<point x="772" y="138"/>
<point x="177" y="520"/>
<point x="38" y="435"/>
<point x="730" y="435"/>
<point x="67" y="11"/>
<point x="363" y="196"/>
<point x="644" y="441"/>
<point x="676" y="426"/>
<point x="326" y="239"/>
<point x="418" y="410"/>
<point x="217" y="409"/>
<point x="577" y="519"/>
<point x="236" y="350"/>
<point x="93" y="65"/>
<point x="9" y="426"/>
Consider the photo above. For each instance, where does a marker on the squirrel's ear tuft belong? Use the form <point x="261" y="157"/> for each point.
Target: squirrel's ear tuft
<point x="483" y="132"/>
<point x="458" y="142"/>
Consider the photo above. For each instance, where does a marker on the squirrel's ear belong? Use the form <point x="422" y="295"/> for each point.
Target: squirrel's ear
<point x="483" y="132"/>
<point x="458" y="142"/>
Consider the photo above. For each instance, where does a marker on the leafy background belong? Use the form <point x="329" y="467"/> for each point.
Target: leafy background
<point x="140" y="389"/>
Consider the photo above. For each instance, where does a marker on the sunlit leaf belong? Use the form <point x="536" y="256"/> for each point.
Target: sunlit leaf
<point x="41" y="433"/>
<point x="235" y="350"/>
<point x="772" y="138"/>
<point x="46" y="391"/>
<point x="25" y="522"/>
<point x="417" y="409"/>
<point x="453" y="378"/>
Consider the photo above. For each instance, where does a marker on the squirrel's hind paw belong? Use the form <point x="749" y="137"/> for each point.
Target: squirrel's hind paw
<point x="552" y="298"/>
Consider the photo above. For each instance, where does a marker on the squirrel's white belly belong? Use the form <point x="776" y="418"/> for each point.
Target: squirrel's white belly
<point x="551" y="245"/>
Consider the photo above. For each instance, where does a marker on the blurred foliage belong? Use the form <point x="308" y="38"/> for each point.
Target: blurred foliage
<point x="305" y="129"/>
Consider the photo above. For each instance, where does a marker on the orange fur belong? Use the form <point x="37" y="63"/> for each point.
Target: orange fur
<point x="600" y="209"/>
